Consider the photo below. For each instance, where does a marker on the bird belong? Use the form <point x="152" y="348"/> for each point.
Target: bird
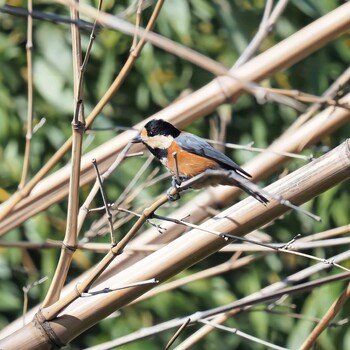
<point x="186" y="156"/>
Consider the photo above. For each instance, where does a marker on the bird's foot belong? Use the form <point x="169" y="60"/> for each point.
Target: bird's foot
<point x="172" y="197"/>
<point x="176" y="183"/>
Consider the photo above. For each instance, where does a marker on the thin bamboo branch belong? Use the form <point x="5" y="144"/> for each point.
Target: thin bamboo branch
<point x="232" y="248"/>
<point x="83" y="65"/>
<point x="309" y="98"/>
<point x="230" y="265"/>
<point x="29" y="134"/>
<point x="101" y="248"/>
<point x="137" y="24"/>
<point x="250" y="148"/>
<point x="331" y="92"/>
<point x="175" y="336"/>
<point x="327" y="234"/>
<point x="105" y="202"/>
<point x="298" y="245"/>
<point x="243" y="334"/>
<point x="129" y="193"/>
<point x="85" y="207"/>
<point x="268" y="21"/>
<point x="206" y="99"/>
<point x="213" y="271"/>
<point x="26" y="290"/>
<point x="326" y="319"/>
<point x="270" y="310"/>
<point x="45" y="16"/>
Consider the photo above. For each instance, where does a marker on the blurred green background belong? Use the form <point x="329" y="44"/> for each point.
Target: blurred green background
<point x="220" y="29"/>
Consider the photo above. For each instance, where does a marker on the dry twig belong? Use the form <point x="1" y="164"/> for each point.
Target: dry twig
<point x="327" y="318"/>
<point x="29" y="50"/>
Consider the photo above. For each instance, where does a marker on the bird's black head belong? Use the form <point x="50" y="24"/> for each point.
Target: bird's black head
<point x="157" y="135"/>
<point x="160" y="127"/>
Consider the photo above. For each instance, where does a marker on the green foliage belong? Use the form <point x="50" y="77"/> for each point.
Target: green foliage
<point x="220" y="30"/>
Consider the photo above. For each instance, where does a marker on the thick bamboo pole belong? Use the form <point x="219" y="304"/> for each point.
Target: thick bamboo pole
<point x="204" y="101"/>
<point x="190" y="248"/>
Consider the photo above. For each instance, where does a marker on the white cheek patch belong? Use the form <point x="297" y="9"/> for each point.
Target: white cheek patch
<point x="164" y="161"/>
<point x="159" y="141"/>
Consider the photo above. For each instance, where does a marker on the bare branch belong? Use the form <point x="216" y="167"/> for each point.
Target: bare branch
<point x="105" y="202"/>
<point x="29" y="50"/>
<point x="26" y="290"/>
<point x="327" y="318"/>
<point x="109" y="290"/>
<point x="243" y="335"/>
<point x="176" y="335"/>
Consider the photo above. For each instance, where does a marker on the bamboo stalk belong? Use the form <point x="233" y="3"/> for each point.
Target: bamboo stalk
<point x="69" y="245"/>
<point x="240" y="219"/>
<point x="29" y="134"/>
<point x="184" y="111"/>
<point x="326" y="319"/>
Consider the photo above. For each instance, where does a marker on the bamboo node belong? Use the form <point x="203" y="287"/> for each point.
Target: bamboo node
<point x="78" y="125"/>
<point x="69" y="247"/>
<point x="43" y="326"/>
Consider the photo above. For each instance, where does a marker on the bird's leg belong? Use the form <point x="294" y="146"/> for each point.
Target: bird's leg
<point x="176" y="182"/>
<point x="177" y="176"/>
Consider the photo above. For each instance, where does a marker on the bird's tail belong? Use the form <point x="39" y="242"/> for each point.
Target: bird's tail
<point x="255" y="194"/>
<point x="249" y="187"/>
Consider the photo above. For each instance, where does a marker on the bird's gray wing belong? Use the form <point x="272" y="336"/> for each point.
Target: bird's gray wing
<point x="196" y="145"/>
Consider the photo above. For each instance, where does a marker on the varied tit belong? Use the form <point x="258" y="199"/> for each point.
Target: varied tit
<point x="187" y="155"/>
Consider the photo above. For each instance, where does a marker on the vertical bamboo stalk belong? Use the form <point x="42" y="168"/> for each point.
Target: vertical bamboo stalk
<point x="78" y="126"/>
<point x="29" y="134"/>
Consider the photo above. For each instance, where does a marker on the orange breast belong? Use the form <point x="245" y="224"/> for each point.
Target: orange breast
<point x="188" y="164"/>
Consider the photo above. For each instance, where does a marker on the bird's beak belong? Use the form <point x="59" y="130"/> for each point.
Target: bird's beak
<point x="136" y="139"/>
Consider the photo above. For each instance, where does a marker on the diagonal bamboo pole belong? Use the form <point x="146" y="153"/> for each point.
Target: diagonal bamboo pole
<point x="184" y="111"/>
<point x="298" y="187"/>
<point x="326" y="319"/>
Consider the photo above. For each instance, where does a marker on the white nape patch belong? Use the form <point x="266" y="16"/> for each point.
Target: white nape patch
<point x="159" y="141"/>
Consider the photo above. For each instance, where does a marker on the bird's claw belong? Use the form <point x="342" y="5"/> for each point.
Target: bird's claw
<point x="172" y="197"/>
<point x="176" y="183"/>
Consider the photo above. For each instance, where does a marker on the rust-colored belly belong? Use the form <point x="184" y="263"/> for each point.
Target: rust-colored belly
<point x="189" y="164"/>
